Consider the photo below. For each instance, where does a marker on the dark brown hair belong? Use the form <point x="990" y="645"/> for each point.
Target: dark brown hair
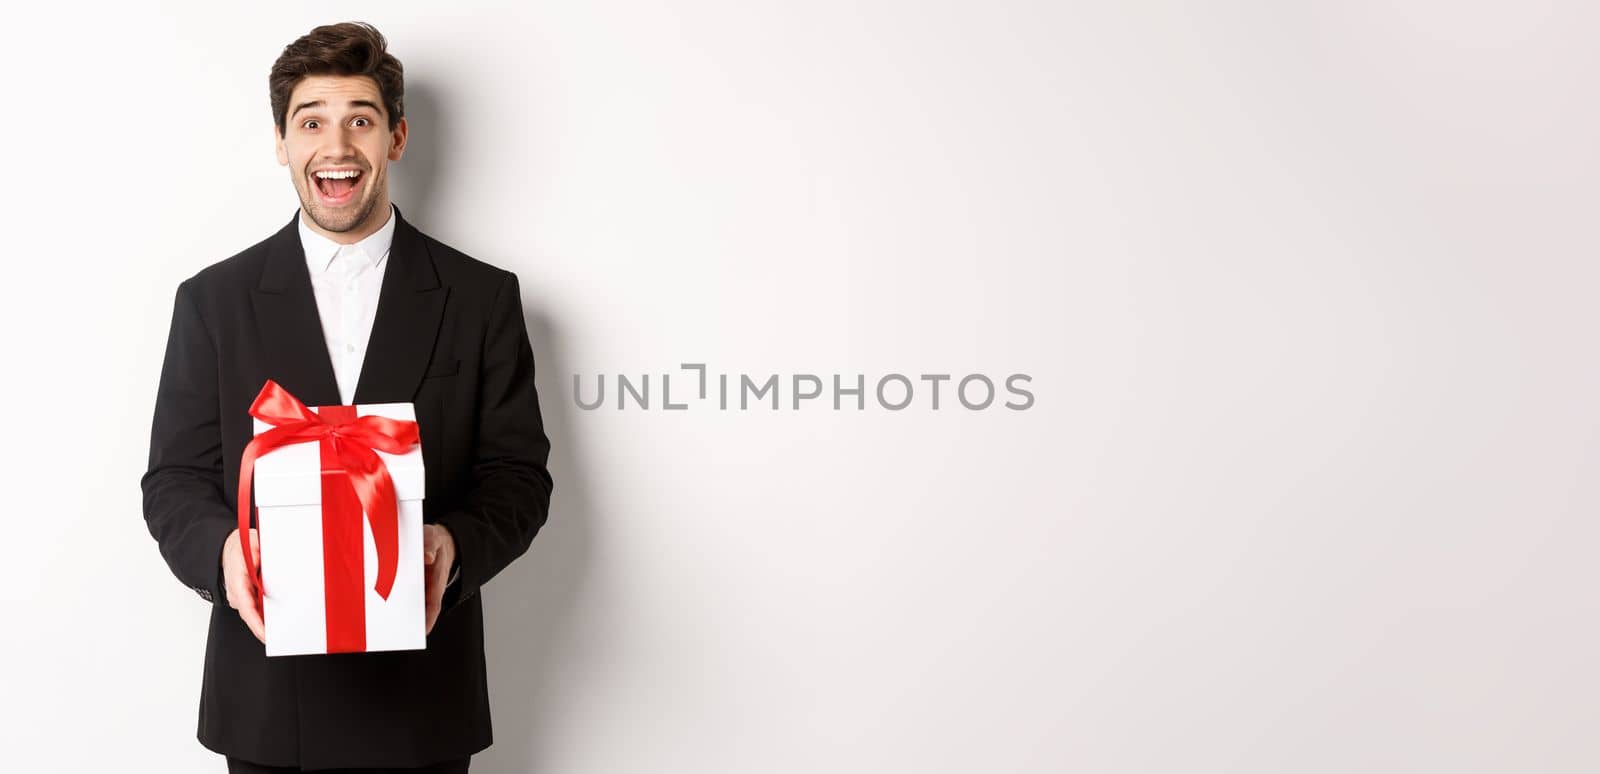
<point x="348" y="48"/>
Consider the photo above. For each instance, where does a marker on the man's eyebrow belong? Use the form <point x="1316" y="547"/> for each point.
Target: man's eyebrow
<point x="366" y="103"/>
<point x="304" y="105"/>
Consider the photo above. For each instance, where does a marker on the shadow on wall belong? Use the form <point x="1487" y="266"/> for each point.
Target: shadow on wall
<point x="415" y="180"/>
<point x="527" y="608"/>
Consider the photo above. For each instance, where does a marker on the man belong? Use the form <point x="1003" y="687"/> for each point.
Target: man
<point x="348" y="303"/>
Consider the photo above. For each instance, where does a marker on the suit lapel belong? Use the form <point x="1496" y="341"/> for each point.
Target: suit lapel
<point x="286" y="315"/>
<point x="410" y="306"/>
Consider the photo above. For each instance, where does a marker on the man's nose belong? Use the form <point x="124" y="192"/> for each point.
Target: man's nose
<point x="341" y="144"/>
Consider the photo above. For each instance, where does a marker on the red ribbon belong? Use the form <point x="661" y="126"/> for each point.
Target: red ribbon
<point x="350" y="466"/>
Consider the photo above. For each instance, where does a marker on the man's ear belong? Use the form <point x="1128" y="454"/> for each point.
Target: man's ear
<point x="283" y="153"/>
<point x="397" y="146"/>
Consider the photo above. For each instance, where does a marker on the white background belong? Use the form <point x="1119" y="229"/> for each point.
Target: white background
<point x="1306" y="291"/>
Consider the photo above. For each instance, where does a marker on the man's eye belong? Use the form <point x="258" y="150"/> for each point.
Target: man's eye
<point x="363" y="120"/>
<point x="308" y="124"/>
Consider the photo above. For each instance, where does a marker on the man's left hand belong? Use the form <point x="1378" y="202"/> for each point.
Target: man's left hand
<point x="438" y="554"/>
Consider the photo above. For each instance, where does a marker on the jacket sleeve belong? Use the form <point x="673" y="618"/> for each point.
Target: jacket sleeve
<point x="184" y="506"/>
<point x="510" y="496"/>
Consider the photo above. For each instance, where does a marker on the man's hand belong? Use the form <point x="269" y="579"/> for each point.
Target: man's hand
<point x="438" y="554"/>
<point x="241" y="587"/>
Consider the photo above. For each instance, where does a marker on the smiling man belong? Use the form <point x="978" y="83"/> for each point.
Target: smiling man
<point x="348" y="303"/>
<point x="338" y="148"/>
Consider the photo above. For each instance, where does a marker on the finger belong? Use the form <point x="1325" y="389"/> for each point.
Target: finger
<point x="434" y="597"/>
<point x="236" y="578"/>
<point x="252" y="619"/>
<point x="241" y="587"/>
<point x="430" y="586"/>
<point x="241" y="597"/>
<point x="435" y="594"/>
<point x="237" y="582"/>
<point x="257" y="585"/>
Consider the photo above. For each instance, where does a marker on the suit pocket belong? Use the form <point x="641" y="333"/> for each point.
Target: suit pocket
<point x="443" y="368"/>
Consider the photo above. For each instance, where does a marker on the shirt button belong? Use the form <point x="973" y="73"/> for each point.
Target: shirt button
<point x="349" y="347"/>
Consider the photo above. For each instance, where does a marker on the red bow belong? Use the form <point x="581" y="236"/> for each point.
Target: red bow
<point x="348" y="444"/>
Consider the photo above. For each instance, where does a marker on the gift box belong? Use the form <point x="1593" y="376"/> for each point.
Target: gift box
<point x="338" y="498"/>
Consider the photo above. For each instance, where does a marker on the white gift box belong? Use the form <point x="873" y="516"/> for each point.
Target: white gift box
<point x="288" y="495"/>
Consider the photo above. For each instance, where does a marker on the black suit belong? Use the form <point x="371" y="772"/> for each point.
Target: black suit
<point x="449" y="337"/>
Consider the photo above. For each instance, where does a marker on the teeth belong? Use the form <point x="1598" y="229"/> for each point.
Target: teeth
<point x="339" y="174"/>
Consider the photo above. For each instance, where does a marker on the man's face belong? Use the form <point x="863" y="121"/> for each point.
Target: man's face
<point x="336" y="128"/>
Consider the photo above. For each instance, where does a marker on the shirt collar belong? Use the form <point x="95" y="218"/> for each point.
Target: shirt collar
<point x="320" y="250"/>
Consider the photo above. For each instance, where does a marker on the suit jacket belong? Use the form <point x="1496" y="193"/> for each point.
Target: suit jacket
<point x="448" y="337"/>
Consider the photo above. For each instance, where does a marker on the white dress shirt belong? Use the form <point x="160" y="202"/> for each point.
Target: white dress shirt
<point x="346" y="280"/>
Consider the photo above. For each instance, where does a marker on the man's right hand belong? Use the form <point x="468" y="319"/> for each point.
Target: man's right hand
<point x="241" y="587"/>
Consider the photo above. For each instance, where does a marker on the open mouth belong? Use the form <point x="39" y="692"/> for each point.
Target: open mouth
<point x="338" y="186"/>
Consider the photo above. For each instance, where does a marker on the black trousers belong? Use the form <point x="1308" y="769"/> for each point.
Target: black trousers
<point x="237" y="766"/>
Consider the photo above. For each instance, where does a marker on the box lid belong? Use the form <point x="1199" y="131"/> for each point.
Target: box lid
<point x="292" y="475"/>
